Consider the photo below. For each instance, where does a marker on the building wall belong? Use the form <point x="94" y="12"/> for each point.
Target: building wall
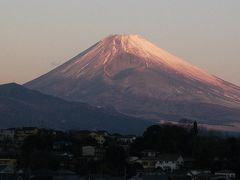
<point x="88" y="151"/>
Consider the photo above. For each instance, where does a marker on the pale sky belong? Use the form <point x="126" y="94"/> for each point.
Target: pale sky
<point x="38" y="35"/>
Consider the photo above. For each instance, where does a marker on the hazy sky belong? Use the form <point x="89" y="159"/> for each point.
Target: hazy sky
<point x="38" y="35"/>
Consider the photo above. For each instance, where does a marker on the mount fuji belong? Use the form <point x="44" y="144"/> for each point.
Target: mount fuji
<point x="135" y="77"/>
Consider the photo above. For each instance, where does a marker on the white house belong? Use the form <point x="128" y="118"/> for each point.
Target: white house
<point x="134" y="159"/>
<point x="169" y="162"/>
<point x="93" y="152"/>
<point x="225" y="173"/>
<point x="88" y="151"/>
<point x="127" y="139"/>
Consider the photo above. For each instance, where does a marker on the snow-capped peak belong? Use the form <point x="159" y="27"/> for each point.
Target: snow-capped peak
<point x="117" y="54"/>
<point x="136" y="77"/>
<point x="114" y="45"/>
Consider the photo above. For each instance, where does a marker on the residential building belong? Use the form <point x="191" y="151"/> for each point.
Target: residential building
<point x="22" y="133"/>
<point x="149" y="162"/>
<point x="225" y="173"/>
<point x="99" y="153"/>
<point x="126" y="139"/>
<point x="149" y="153"/>
<point x="7" y="166"/>
<point x="7" y="134"/>
<point x="88" y="151"/>
<point x="169" y="162"/>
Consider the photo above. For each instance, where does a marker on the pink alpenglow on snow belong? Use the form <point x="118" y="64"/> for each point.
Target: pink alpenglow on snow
<point x="137" y="78"/>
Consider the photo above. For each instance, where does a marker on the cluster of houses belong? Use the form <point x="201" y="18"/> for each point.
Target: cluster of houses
<point x="150" y="161"/>
<point x="97" y="152"/>
<point x="166" y="162"/>
<point x="18" y="135"/>
<point x="11" y="141"/>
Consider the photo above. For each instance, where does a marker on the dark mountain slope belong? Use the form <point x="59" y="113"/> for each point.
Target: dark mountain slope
<point x="20" y="106"/>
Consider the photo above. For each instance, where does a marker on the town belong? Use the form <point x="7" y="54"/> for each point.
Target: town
<point x="162" y="152"/>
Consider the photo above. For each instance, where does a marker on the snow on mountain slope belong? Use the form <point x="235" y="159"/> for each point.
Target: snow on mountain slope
<point x="106" y="50"/>
<point x="138" y="78"/>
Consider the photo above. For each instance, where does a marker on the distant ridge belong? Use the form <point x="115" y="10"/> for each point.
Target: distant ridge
<point x="20" y="107"/>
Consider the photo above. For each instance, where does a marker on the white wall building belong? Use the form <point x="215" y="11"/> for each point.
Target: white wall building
<point x="169" y="162"/>
<point x="88" y="151"/>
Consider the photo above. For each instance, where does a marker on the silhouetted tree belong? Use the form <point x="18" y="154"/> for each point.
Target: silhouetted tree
<point x="195" y="128"/>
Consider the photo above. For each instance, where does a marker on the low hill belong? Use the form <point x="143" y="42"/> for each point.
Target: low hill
<point x="20" y="106"/>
